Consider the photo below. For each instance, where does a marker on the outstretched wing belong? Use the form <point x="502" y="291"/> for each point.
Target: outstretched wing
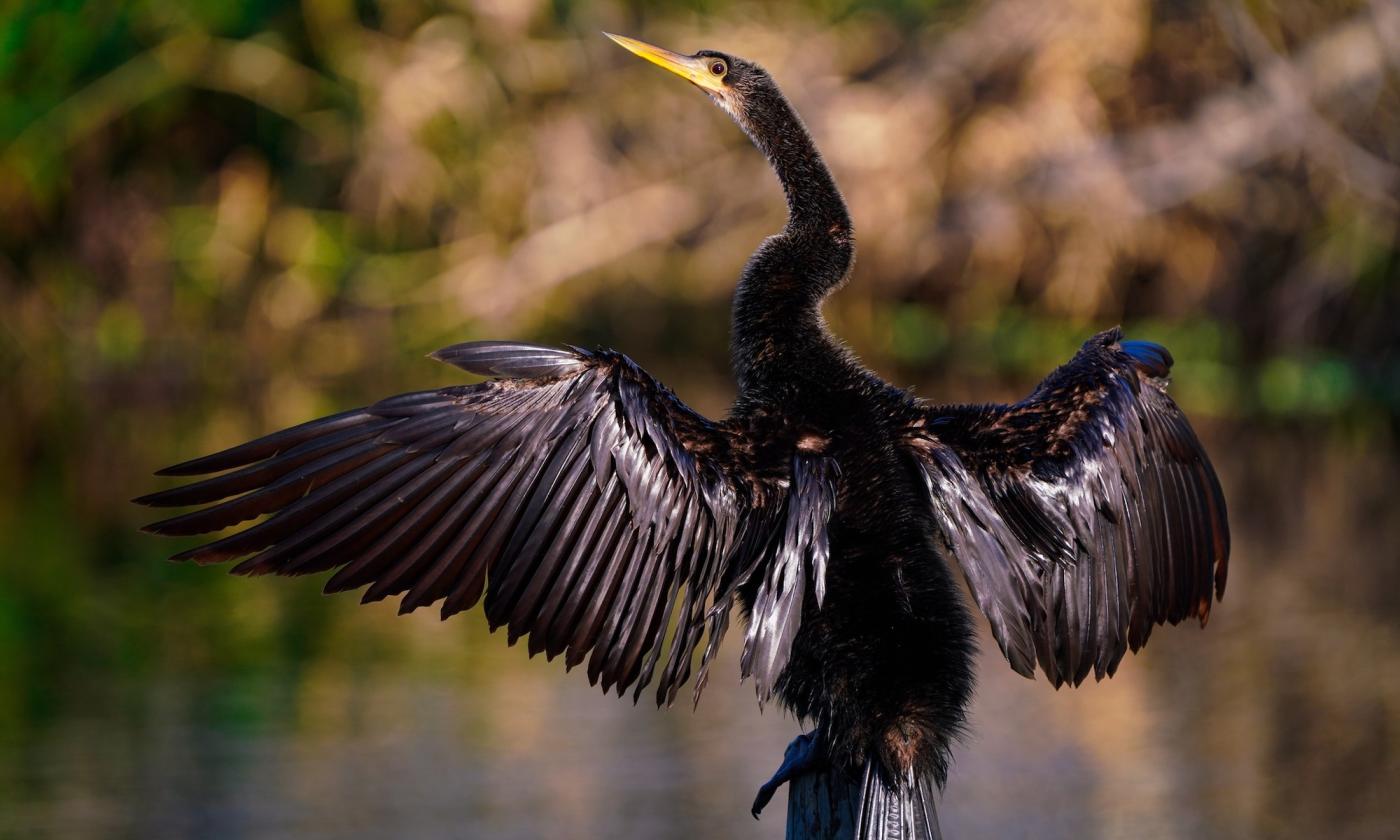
<point x="1083" y="514"/>
<point x="577" y="493"/>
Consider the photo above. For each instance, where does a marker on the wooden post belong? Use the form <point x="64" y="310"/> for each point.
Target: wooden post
<point x="826" y="805"/>
<point x="822" y="806"/>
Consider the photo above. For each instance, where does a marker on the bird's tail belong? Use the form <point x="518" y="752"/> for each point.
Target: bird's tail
<point x="905" y="810"/>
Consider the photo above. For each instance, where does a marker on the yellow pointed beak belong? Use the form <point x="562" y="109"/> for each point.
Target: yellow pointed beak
<point x="695" y="70"/>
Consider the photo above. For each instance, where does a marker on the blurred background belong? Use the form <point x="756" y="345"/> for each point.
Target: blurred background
<point x="218" y="218"/>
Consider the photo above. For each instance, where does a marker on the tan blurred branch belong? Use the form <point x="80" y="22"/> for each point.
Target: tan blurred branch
<point x="495" y="288"/>
<point x="1099" y="179"/>
<point x="1164" y="166"/>
<point x="1362" y="171"/>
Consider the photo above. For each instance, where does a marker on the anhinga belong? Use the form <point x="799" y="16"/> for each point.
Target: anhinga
<point x="605" y="521"/>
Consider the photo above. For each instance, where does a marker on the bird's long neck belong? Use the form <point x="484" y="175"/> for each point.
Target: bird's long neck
<point x="814" y="202"/>
<point x="777" y="305"/>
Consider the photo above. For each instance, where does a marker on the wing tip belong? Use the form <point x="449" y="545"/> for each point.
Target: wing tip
<point x="194" y="466"/>
<point x="510" y="359"/>
<point x="1025" y="669"/>
<point x="173" y="497"/>
<point x="200" y="555"/>
<point x="168" y="528"/>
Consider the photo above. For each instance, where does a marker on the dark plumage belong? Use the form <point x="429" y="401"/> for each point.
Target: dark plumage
<point x="603" y="520"/>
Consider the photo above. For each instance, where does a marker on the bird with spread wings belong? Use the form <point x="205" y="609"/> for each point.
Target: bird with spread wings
<point x="602" y="520"/>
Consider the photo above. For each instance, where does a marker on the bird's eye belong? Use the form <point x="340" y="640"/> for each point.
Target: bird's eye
<point x="719" y="68"/>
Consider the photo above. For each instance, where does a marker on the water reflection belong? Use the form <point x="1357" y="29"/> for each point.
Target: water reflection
<point x="1281" y="720"/>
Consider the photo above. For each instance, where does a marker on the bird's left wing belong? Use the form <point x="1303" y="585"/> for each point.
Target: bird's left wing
<point x="1081" y="515"/>
<point x="574" y="491"/>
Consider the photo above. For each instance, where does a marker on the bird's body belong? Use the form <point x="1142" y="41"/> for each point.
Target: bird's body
<point x="886" y="660"/>
<point x="605" y="521"/>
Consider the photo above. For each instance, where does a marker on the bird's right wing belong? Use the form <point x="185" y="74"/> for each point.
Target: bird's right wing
<point x="574" y="491"/>
<point x="1081" y="515"/>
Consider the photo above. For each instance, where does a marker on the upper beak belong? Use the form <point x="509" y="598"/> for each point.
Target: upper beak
<point x="686" y="66"/>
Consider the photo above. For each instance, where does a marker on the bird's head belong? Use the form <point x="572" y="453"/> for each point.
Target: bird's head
<point x="752" y="98"/>
<point x="733" y="83"/>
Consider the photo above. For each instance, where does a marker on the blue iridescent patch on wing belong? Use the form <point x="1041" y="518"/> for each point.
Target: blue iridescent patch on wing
<point x="1151" y="357"/>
